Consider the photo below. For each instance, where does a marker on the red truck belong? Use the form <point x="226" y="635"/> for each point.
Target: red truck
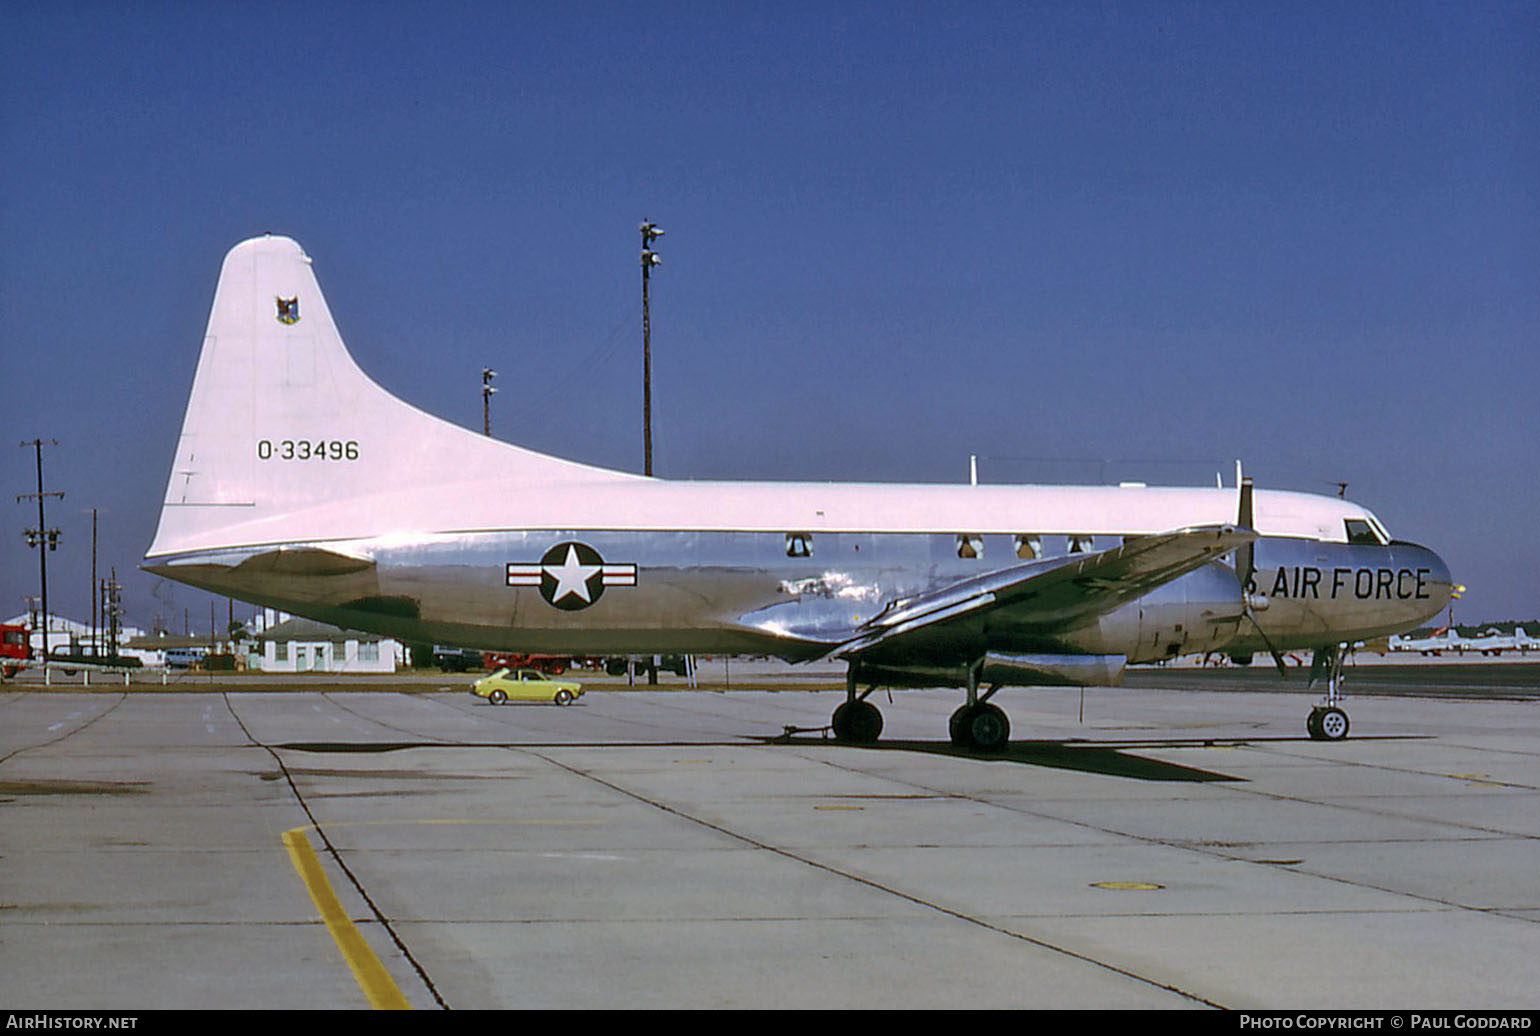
<point x="14" y="648"/>
<point x="552" y="664"/>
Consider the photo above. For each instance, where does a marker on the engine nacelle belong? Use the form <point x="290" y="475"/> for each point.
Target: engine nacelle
<point x="1197" y="613"/>
<point x="1054" y="670"/>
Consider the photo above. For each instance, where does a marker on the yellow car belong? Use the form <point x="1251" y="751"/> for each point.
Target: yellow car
<point x="525" y="685"/>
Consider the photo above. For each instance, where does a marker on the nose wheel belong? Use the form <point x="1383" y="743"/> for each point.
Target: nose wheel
<point x="1327" y="723"/>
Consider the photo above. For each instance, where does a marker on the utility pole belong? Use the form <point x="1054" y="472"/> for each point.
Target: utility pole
<point x="95" y="637"/>
<point x="112" y="611"/>
<point x="42" y="537"/>
<point x="487" y="374"/>
<point x="650" y="233"/>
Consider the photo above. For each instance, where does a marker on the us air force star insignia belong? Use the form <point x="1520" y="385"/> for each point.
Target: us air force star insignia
<point x="288" y="310"/>
<point x="571" y="576"/>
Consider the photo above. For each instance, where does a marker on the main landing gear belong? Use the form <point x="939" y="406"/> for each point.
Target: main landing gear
<point x="1327" y="720"/>
<point x="858" y="721"/>
<point x="978" y="724"/>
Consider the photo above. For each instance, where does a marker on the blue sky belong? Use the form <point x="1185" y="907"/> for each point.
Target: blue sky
<point x="1086" y="242"/>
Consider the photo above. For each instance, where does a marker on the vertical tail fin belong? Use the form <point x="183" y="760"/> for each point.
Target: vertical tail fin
<point x="285" y="438"/>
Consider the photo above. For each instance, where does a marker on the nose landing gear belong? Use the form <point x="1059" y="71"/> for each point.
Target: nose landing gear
<point x="1327" y="721"/>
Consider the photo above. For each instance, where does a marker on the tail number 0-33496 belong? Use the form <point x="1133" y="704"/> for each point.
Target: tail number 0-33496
<point x="307" y="449"/>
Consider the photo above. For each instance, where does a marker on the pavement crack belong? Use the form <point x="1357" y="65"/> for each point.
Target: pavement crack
<point x="315" y="825"/>
<point x="870" y="883"/>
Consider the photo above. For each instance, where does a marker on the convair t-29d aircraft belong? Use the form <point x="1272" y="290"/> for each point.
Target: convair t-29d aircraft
<point x="301" y="484"/>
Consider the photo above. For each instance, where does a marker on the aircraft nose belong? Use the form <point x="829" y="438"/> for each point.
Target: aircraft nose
<point x="1435" y="585"/>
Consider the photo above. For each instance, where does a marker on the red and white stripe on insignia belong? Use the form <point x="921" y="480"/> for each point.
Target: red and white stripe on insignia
<point x="529" y="575"/>
<point x="523" y="575"/>
<point x="619" y="575"/>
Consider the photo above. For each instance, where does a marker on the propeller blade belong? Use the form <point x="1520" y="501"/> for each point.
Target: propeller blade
<point x="1246" y="557"/>
<point x="1283" y="670"/>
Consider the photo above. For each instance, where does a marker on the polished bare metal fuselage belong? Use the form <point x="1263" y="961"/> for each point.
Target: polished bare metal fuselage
<point x="738" y="592"/>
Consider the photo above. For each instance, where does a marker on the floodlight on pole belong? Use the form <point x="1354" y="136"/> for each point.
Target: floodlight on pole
<point x="487" y="374"/>
<point x="650" y="233"/>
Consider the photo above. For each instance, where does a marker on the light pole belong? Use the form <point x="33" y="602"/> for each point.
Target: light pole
<point x="650" y="233"/>
<point x="487" y="374"/>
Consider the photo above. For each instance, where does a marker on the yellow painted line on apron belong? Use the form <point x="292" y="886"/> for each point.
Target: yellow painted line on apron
<point x="378" y="986"/>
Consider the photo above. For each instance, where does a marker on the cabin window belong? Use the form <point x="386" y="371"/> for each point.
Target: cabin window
<point x="970" y="545"/>
<point x="1029" y="547"/>
<point x="1360" y="531"/>
<point x="799" y="544"/>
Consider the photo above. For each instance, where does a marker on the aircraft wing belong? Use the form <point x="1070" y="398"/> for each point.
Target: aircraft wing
<point x="1057" y="594"/>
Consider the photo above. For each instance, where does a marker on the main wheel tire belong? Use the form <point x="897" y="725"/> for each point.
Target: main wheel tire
<point x="857" y="722"/>
<point x="563" y="697"/>
<point x="954" y="727"/>
<point x="497" y="697"/>
<point x="988" y="729"/>
<point x="982" y="727"/>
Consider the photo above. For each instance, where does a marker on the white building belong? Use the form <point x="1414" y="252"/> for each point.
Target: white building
<point x="305" y="646"/>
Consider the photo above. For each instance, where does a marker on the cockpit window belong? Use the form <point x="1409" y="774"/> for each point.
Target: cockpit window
<point x="1360" y="531"/>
